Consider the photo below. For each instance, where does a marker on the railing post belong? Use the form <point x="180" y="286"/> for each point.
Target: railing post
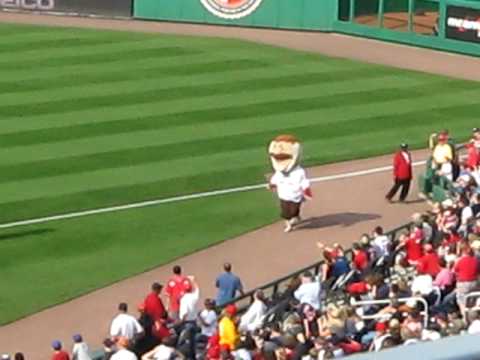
<point x="411" y="10"/>
<point x="351" y="10"/>
<point x="381" y="10"/>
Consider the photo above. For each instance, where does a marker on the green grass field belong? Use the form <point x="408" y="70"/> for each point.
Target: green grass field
<point x="90" y="119"/>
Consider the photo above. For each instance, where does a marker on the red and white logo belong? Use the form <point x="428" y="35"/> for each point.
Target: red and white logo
<point x="231" y="9"/>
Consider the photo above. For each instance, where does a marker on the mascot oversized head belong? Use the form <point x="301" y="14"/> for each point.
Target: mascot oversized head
<point x="285" y="152"/>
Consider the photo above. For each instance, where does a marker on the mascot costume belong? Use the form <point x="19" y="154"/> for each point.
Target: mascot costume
<point x="289" y="180"/>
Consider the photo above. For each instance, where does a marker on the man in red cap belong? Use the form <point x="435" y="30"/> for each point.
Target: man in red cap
<point x="402" y="173"/>
<point x="380" y="335"/>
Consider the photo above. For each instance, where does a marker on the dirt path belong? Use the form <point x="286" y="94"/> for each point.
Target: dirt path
<point x="373" y="51"/>
<point x="342" y="210"/>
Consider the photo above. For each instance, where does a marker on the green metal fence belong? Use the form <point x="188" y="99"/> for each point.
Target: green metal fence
<point x="423" y="23"/>
<point x="450" y="25"/>
<point x="284" y="14"/>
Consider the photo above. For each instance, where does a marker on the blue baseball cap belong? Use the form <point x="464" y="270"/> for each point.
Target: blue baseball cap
<point x="77" y="338"/>
<point x="56" y="345"/>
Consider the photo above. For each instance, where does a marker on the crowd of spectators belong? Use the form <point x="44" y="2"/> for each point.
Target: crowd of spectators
<point x="387" y="291"/>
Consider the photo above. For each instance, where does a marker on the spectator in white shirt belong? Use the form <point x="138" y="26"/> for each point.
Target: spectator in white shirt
<point x="80" y="349"/>
<point x="207" y="319"/>
<point x="309" y="291"/>
<point x="164" y="351"/>
<point x="123" y="353"/>
<point x="253" y="318"/>
<point x="380" y="242"/>
<point x="474" y="327"/>
<point x="189" y="301"/>
<point x="125" y="325"/>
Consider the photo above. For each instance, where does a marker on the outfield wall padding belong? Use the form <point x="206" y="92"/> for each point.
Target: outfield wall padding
<point x="283" y="14"/>
<point x="108" y="8"/>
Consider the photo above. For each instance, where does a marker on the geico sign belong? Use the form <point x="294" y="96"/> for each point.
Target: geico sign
<point x="28" y="4"/>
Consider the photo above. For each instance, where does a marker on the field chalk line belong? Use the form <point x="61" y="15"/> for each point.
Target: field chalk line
<point x="143" y="204"/>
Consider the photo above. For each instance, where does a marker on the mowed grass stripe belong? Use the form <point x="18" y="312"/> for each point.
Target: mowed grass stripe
<point x="185" y="92"/>
<point x="50" y="54"/>
<point x="125" y="112"/>
<point x="128" y="43"/>
<point x="54" y="204"/>
<point x="98" y="58"/>
<point x="226" y="143"/>
<point x="54" y="33"/>
<point x="54" y="44"/>
<point x="205" y="77"/>
<point x="307" y="99"/>
<point x="7" y="29"/>
<point x="75" y="71"/>
<point x="161" y="77"/>
<point x="113" y="77"/>
<point x="127" y="64"/>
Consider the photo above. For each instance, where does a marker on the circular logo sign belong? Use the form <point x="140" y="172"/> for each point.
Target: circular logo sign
<point x="231" y="9"/>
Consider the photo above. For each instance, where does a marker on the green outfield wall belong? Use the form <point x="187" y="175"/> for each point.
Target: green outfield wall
<point x="449" y="25"/>
<point x="284" y="14"/>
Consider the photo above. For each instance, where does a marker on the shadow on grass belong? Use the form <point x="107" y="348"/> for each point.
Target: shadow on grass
<point x="24" y="234"/>
<point x="343" y="219"/>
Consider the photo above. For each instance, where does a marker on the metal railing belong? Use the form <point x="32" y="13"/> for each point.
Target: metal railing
<point x="363" y="303"/>
<point x="273" y="288"/>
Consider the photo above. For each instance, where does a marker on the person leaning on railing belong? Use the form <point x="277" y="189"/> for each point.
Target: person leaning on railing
<point x="442" y="163"/>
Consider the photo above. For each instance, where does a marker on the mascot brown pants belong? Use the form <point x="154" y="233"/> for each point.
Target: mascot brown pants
<point x="289" y="209"/>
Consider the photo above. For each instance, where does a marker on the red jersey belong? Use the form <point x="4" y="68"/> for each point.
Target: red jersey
<point x="402" y="165"/>
<point x="175" y="290"/>
<point x="413" y="247"/>
<point x="429" y="264"/>
<point x="466" y="269"/>
<point x="160" y="330"/>
<point x="360" y="260"/>
<point x="60" y="355"/>
<point x="154" y="306"/>
<point x="451" y="239"/>
<point x="473" y="157"/>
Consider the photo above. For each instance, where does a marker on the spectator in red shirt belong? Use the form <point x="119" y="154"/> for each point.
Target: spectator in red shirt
<point x="58" y="353"/>
<point x="360" y="257"/>
<point x="466" y="271"/>
<point x="473" y="156"/>
<point x="429" y="263"/>
<point x="153" y="304"/>
<point x="451" y="239"/>
<point x="175" y="289"/>
<point x="413" y="245"/>
<point x="402" y="173"/>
